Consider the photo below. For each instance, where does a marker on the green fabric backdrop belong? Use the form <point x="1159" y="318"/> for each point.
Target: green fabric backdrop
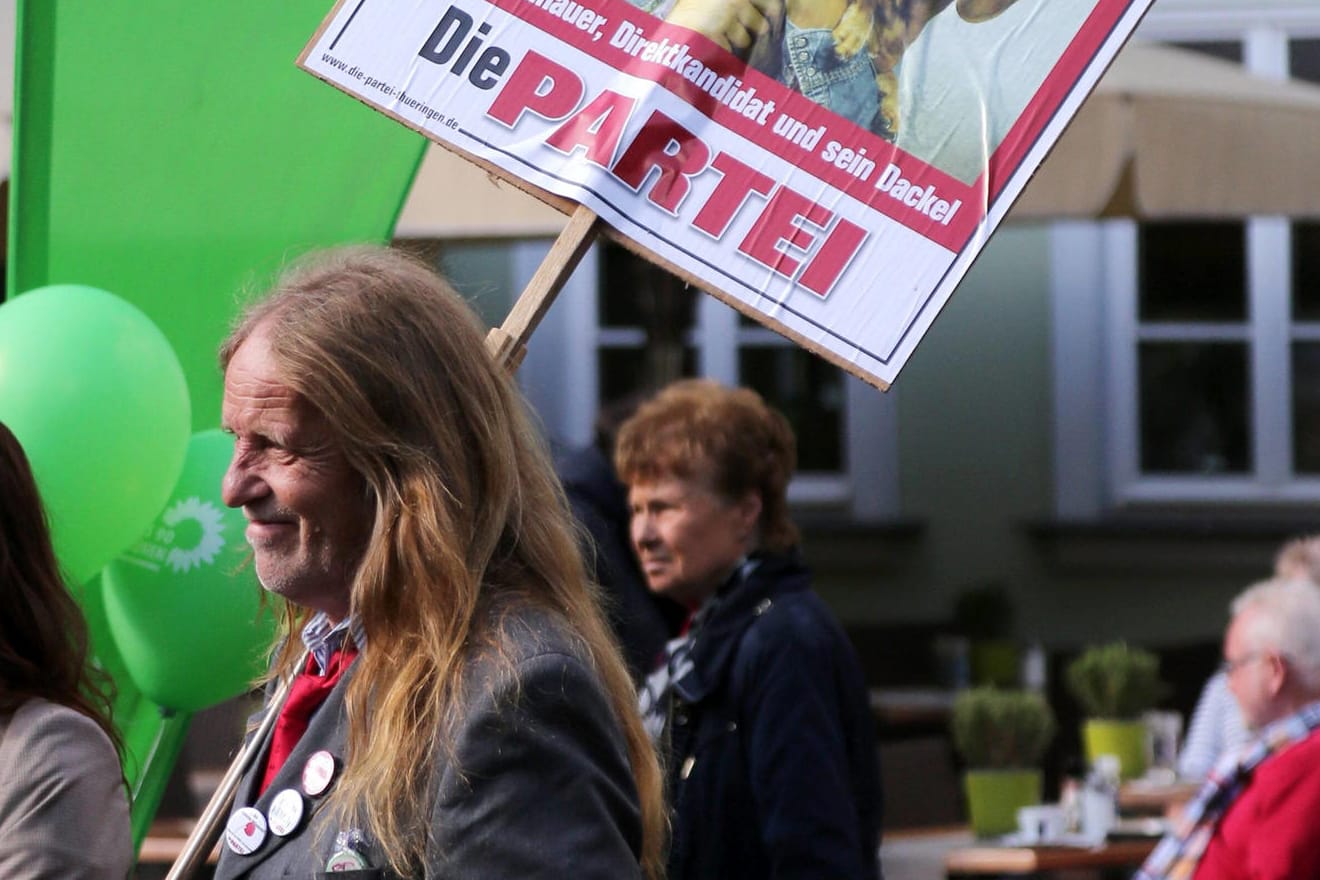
<point x="173" y="154"/>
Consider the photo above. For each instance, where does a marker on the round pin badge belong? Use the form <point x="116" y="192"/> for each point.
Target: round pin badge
<point x="285" y="812"/>
<point x="245" y="831"/>
<point x="318" y="773"/>
<point x="345" y="860"/>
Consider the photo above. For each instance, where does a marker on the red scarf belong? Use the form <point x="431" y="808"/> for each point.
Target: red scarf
<point x="306" y="695"/>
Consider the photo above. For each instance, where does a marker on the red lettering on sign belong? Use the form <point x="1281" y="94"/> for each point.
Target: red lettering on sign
<point x="596" y="128"/>
<point x="836" y="252"/>
<point x="664" y="145"/>
<point x="537" y="85"/>
<point x="738" y="180"/>
<point x="789" y="232"/>
<point x="778" y="224"/>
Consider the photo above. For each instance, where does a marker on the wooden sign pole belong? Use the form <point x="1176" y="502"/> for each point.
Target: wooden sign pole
<point x="508" y="342"/>
<point x="206" y="833"/>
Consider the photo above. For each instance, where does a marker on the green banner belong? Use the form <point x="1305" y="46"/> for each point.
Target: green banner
<point x="172" y="154"/>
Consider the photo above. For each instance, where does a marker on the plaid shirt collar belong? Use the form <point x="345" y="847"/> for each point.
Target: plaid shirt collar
<point x="323" y="637"/>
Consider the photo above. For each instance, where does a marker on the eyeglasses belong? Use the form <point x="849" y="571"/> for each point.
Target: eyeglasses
<point x="1228" y="667"/>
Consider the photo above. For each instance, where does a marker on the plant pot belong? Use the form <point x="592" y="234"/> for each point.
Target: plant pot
<point x="995" y="796"/>
<point x="1126" y="739"/>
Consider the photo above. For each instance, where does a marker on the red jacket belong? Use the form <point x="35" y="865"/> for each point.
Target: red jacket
<point x="1272" y="830"/>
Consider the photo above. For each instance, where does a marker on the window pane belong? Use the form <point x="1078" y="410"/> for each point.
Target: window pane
<point x="637" y="293"/>
<point x="1306" y="407"/>
<point x="808" y="391"/>
<point x="1194" y="408"/>
<point x="1304" y="59"/>
<point x="625" y="370"/>
<point x="478" y="270"/>
<point x="1192" y="271"/>
<point x="1306" y="271"/>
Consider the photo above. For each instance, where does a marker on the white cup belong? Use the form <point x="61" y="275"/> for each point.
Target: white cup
<point x="1043" y="823"/>
<point x="1099" y="813"/>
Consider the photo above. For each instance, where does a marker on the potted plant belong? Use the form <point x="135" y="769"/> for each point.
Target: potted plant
<point x="1002" y="736"/>
<point x="1114" y="684"/>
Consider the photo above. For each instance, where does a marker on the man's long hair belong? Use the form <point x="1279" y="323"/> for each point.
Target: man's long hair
<point x="469" y="521"/>
<point x="43" y="638"/>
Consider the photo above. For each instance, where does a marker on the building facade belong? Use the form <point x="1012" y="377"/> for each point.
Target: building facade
<point x="1115" y="419"/>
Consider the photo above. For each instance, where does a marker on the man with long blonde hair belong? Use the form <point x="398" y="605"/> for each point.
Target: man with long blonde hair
<point x="463" y="711"/>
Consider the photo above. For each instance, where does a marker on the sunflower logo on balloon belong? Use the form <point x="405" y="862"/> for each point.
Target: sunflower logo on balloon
<point x="205" y="517"/>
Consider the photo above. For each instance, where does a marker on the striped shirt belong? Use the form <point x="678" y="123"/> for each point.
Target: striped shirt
<point x="1216" y="727"/>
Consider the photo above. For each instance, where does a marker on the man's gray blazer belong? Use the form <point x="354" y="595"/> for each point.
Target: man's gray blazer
<point x="542" y="786"/>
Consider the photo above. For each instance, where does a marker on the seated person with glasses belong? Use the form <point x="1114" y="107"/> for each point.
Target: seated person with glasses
<point x="1255" y="815"/>
<point x="1217" y="724"/>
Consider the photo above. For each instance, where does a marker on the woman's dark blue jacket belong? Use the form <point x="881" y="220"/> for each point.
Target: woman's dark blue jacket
<point x="772" y="768"/>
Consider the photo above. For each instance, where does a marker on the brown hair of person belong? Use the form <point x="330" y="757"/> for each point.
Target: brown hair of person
<point x="43" y="637"/>
<point x="470" y="521"/>
<point x="699" y="429"/>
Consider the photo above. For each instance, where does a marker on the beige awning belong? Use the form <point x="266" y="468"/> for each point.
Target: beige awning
<point x="1171" y="133"/>
<point x="453" y="198"/>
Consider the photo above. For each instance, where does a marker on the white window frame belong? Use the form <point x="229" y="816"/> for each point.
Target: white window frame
<point x="1096" y="333"/>
<point x="559" y="375"/>
<point x="1094" y="278"/>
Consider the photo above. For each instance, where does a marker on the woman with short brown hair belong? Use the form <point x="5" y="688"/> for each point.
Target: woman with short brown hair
<point x="759" y="707"/>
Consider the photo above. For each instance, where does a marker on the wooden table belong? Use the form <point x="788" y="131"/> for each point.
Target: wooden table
<point x="919" y="853"/>
<point x="903" y="707"/>
<point x="1158" y="800"/>
<point x="988" y="858"/>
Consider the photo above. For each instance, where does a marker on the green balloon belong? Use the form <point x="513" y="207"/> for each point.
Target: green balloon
<point x="94" y="392"/>
<point x="184" y="604"/>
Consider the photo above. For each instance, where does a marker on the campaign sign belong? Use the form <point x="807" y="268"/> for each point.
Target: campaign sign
<point x="834" y="180"/>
